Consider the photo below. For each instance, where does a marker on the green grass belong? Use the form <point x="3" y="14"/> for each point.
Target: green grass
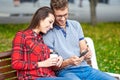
<point x="7" y="33"/>
<point x="106" y="37"/>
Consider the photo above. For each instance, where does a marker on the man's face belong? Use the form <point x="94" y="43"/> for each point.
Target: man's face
<point x="61" y="16"/>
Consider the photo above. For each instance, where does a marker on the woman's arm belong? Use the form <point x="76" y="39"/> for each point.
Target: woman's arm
<point x="18" y="54"/>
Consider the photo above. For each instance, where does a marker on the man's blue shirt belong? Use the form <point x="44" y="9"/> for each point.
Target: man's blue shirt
<point x="65" y="42"/>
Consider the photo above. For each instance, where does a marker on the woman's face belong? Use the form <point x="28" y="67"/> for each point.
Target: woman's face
<point x="47" y="23"/>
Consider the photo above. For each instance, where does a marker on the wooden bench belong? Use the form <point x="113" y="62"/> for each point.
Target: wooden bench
<point x="7" y="73"/>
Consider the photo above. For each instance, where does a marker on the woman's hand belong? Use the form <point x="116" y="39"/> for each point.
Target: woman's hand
<point x="48" y="62"/>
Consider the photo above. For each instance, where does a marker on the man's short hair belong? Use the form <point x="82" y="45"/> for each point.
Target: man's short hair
<point x="58" y="4"/>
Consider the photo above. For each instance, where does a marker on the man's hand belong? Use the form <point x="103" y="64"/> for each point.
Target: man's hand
<point x="88" y="55"/>
<point x="75" y="60"/>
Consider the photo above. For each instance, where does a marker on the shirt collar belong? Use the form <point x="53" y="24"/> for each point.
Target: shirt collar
<point x="58" y="27"/>
<point x="30" y="31"/>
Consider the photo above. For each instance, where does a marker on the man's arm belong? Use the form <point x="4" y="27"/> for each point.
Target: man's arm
<point x="74" y="60"/>
<point x="65" y="63"/>
<point x="83" y="47"/>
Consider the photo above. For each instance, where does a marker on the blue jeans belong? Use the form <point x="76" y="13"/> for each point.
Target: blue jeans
<point x="53" y="78"/>
<point x="84" y="73"/>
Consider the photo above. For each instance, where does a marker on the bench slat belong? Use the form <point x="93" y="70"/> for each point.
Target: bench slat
<point x="5" y="62"/>
<point x="6" y="54"/>
<point x="9" y="75"/>
<point x="6" y="69"/>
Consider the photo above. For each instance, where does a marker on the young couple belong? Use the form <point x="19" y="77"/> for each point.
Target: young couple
<point x="51" y="30"/>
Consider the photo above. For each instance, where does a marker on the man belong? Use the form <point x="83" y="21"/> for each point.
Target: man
<point x="67" y="39"/>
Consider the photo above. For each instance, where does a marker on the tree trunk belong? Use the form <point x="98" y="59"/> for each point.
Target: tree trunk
<point x="93" y="4"/>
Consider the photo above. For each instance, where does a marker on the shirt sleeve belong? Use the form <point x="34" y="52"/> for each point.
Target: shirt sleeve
<point x="80" y="31"/>
<point x="17" y="54"/>
<point x="49" y="39"/>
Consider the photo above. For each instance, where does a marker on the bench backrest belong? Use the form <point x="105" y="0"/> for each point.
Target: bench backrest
<point x="93" y="60"/>
<point x="6" y="71"/>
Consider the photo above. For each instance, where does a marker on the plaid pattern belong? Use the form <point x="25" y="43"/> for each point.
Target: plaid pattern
<point x="28" y="49"/>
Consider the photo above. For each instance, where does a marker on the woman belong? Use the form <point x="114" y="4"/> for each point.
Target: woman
<point x="30" y="56"/>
